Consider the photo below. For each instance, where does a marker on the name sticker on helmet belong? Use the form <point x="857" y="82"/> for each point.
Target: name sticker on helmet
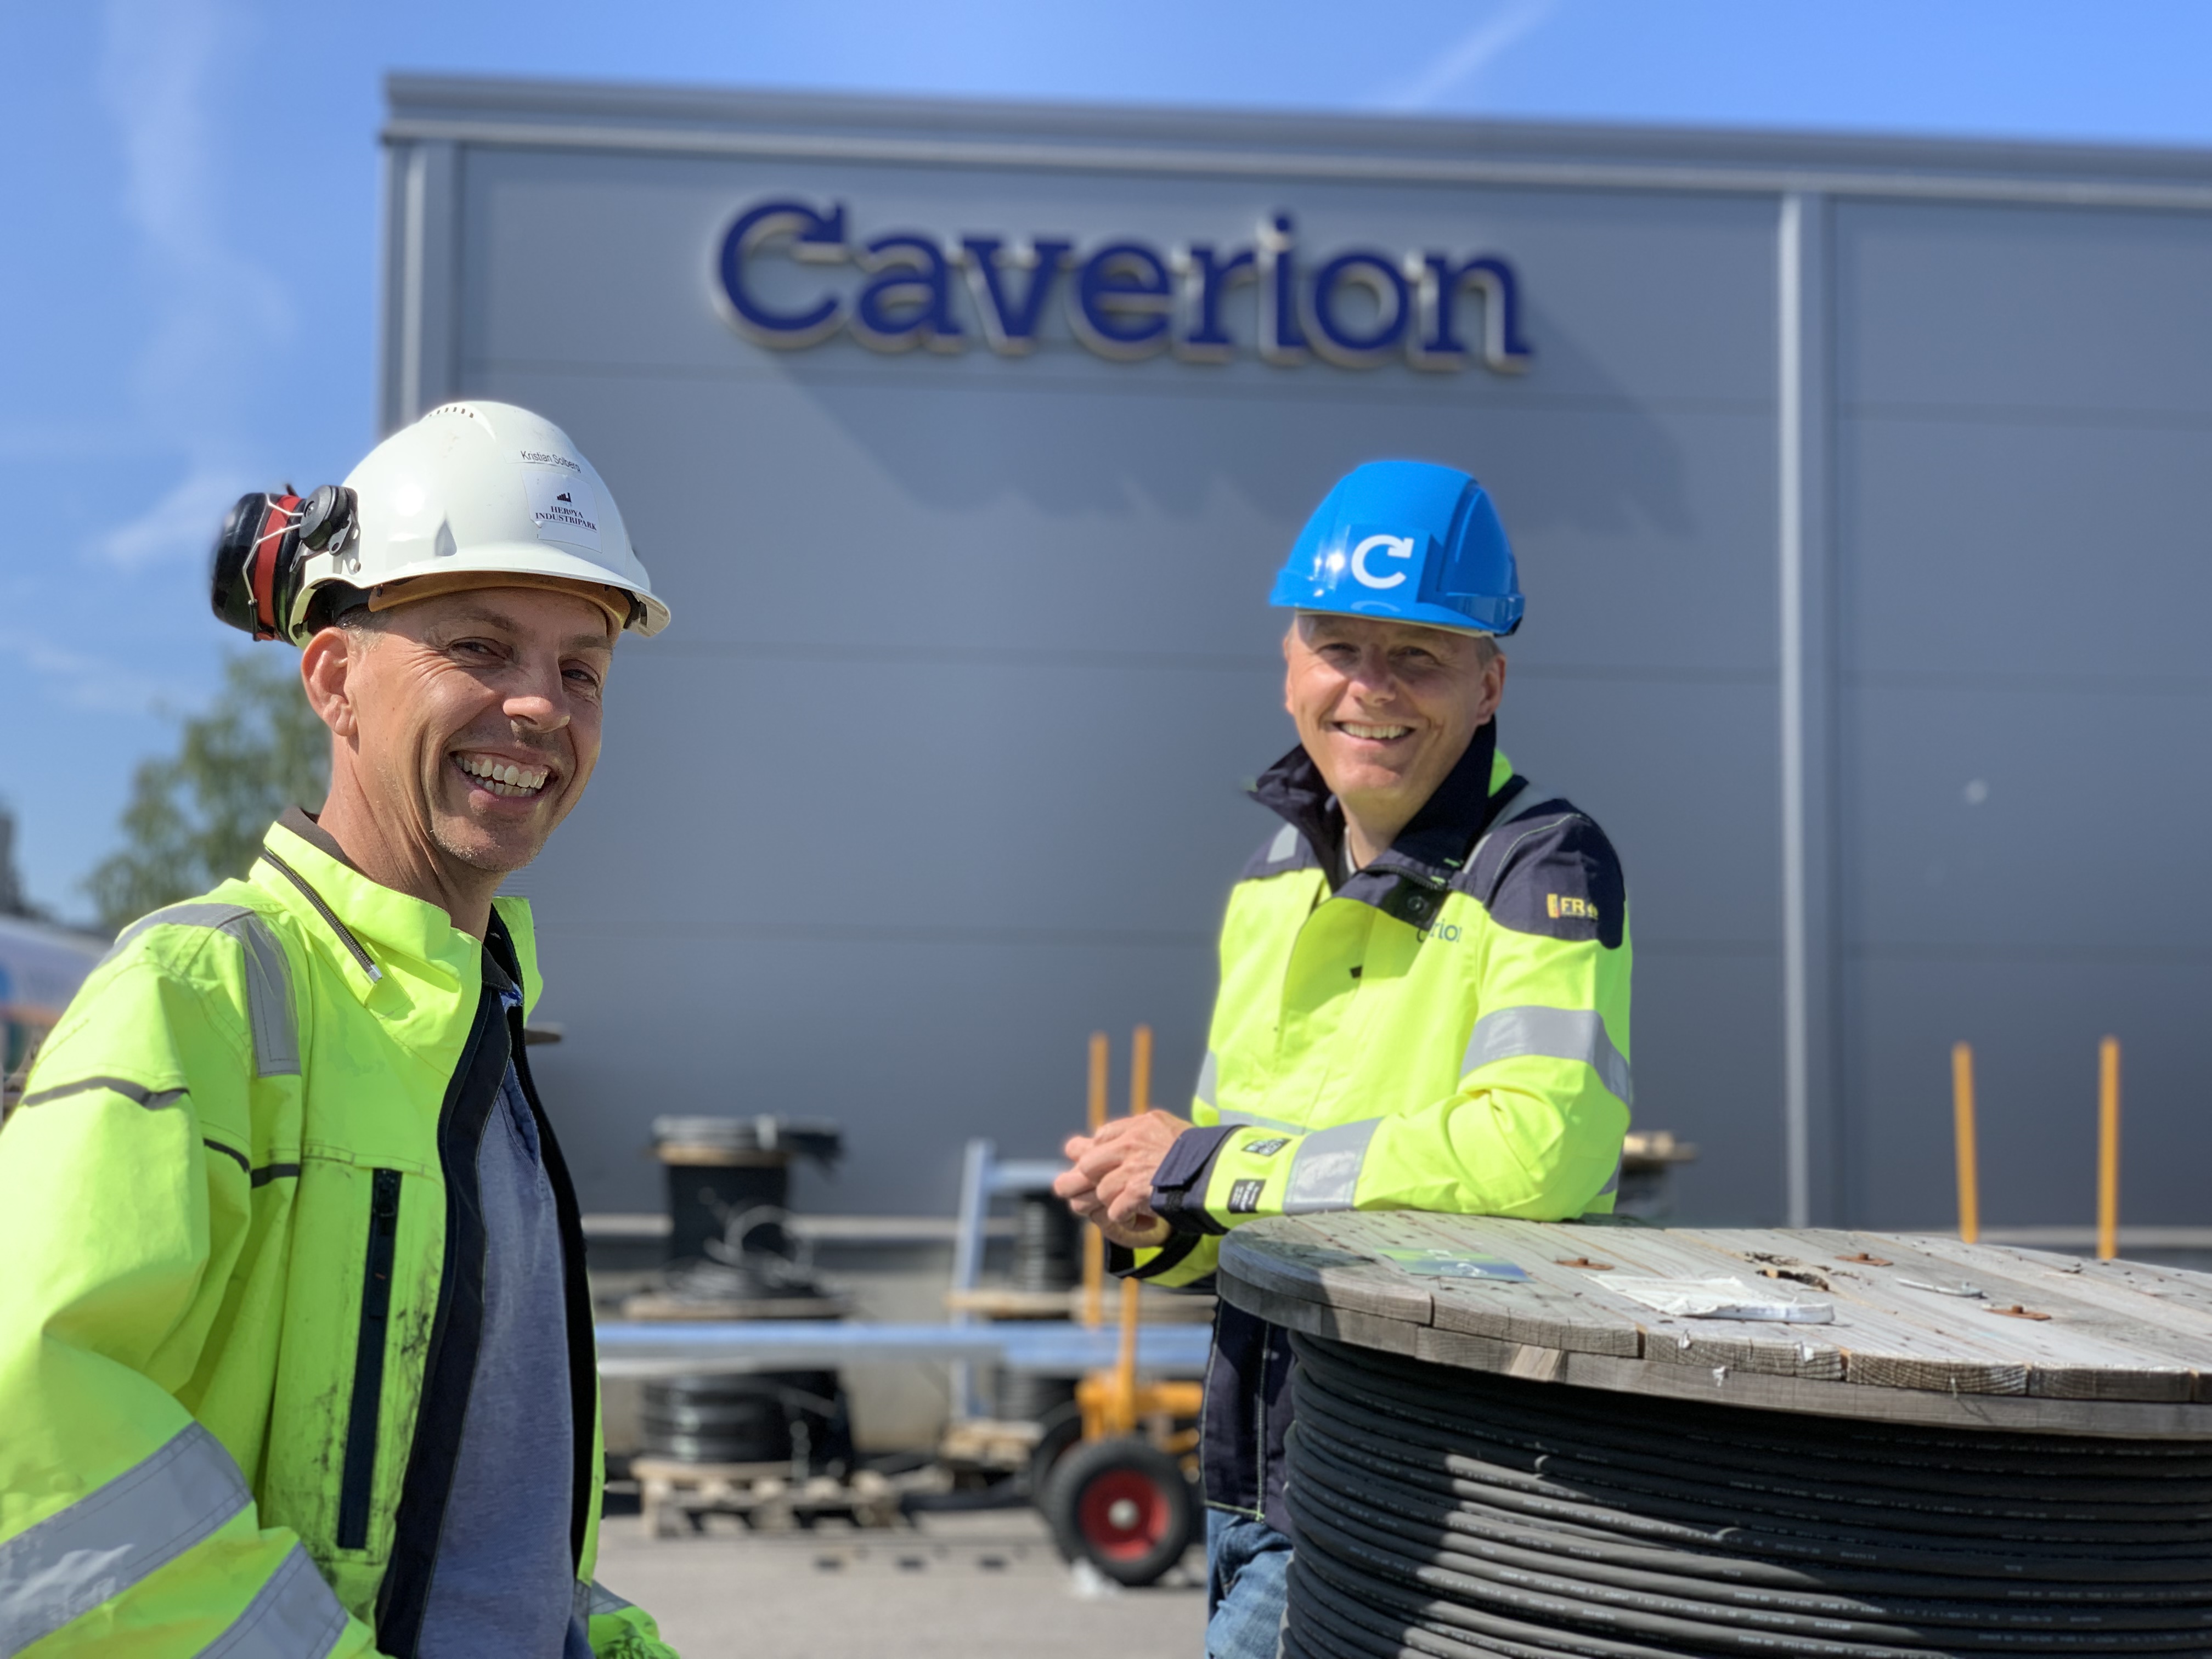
<point x="563" y="506"/>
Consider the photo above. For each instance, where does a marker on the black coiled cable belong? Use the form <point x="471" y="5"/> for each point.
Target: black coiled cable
<point x="1443" y="1513"/>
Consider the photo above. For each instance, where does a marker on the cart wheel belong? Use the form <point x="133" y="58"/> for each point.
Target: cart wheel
<point x="1062" y="1432"/>
<point x="1122" y="1505"/>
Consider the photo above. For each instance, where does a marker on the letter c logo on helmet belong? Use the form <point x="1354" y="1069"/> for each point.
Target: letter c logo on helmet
<point x="1395" y="547"/>
<point x="1406" y="541"/>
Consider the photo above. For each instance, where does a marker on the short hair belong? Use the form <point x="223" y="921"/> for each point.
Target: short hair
<point x="340" y="604"/>
<point x="1485" y="644"/>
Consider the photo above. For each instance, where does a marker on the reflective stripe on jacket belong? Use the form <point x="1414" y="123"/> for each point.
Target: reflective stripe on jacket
<point x="239" y="1314"/>
<point x="1446" y="1030"/>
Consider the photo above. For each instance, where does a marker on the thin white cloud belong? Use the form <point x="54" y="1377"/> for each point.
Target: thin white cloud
<point x="216" y="309"/>
<point x="181" y="525"/>
<point x="104" y="684"/>
<point x="1475" y="51"/>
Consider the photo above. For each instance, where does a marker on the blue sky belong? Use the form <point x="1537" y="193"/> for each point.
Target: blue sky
<point x="190" y="209"/>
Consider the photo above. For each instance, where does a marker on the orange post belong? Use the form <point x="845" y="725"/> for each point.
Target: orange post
<point x="1125" y="1363"/>
<point x="2108" y="1149"/>
<point x="1094" y="1242"/>
<point x="1962" y="1123"/>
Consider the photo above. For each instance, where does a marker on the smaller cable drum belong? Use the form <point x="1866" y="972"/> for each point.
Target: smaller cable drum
<point x="1048" y="1244"/>
<point x="1442" y="1512"/>
<point x="796" y="1417"/>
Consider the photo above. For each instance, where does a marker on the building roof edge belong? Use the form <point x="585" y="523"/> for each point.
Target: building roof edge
<point x="579" y="106"/>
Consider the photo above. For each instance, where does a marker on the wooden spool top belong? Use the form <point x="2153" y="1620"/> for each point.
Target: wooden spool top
<point x="1921" y="1329"/>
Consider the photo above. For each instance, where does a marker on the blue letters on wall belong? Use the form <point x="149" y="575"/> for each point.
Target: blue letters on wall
<point x="1010" y="323"/>
<point x="1124" y="299"/>
<point x="819" y="236"/>
<point x="908" y="301"/>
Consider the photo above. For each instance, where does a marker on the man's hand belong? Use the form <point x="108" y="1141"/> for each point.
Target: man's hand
<point x="1109" y="1178"/>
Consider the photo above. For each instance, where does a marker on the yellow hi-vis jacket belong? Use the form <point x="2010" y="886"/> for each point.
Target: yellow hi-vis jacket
<point x="1445" y="1030"/>
<point x="242" y="1275"/>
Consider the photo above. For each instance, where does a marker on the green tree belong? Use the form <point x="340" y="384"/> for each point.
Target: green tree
<point x="198" y="817"/>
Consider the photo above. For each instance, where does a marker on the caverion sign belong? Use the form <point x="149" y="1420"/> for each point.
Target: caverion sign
<point x="1124" y="299"/>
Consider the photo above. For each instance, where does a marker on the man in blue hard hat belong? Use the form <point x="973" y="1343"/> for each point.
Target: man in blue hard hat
<point x="1425" y="980"/>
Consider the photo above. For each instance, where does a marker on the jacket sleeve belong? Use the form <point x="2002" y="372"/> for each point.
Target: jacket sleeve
<point x="620" y="1631"/>
<point x="1185" y="1263"/>
<point x="125" y="1523"/>
<point x="615" y="1628"/>
<point x="1534" y="1128"/>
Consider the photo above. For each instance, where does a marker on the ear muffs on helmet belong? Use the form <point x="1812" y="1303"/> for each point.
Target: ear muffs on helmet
<point x="254" y="578"/>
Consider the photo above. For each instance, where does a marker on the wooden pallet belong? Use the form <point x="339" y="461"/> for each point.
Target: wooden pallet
<point x="989" y="1443"/>
<point x="677" y="1497"/>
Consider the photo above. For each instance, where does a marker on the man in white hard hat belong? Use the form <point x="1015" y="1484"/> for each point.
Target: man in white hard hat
<point x="295" y="1345"/>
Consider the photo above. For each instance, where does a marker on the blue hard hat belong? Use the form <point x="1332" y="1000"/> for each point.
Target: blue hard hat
<point x="1406" y="541"/>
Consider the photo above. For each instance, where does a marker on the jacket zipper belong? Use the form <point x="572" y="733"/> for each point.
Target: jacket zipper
<point x="358" y="1480"/>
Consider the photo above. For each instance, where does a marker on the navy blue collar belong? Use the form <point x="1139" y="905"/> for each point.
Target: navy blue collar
<point x="1430" y="850"/>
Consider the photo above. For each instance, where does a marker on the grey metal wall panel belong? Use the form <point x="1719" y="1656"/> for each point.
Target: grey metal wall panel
<point x="1709" y="1066"/>
<point x="936" y="771"/>
<point x="2075" y="313"/>
<point x="2032" y="551"/>
<point x="995" y="627"/>
<point x="2020" y="455"/>
<point x="2034" y="1018"/>
<point x="970" y="764"/>
<point x="1090" y="749"/>
<point x="2002" y="817"/>
<point x="972" y="798"/>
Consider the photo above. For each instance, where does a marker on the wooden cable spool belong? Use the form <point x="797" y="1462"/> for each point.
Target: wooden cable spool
<point x="1506" y="1443"/>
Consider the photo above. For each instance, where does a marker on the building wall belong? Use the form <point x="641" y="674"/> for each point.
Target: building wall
<point x="2023" y="432"/>
<point x="1834" y="498"/>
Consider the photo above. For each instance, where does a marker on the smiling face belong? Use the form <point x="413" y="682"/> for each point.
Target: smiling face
<point x="1386" y="709"/>
<point x="477" y="720"/>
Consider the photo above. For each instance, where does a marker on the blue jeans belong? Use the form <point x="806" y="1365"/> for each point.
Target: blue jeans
<point x="1247" y="1566"/>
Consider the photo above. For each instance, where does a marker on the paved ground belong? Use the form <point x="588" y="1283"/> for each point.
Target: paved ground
<point x="974" y="1586"/>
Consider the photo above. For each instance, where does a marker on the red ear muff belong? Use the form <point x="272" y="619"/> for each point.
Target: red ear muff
<point x="254" y="574"/>
<point x="275" y="551"/>
<point x="246" y="574"/>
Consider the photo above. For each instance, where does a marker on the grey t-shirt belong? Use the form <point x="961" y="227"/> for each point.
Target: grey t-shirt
<point x="504" y="1586"/>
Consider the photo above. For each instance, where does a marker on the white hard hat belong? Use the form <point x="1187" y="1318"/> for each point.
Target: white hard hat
<point x="475" y="489"/>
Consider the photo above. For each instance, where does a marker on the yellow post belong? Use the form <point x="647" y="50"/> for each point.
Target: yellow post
<point x="1094" y="1242"/>
<point x="1962" y="1122"/>
<point x="2108" y="1149"/>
